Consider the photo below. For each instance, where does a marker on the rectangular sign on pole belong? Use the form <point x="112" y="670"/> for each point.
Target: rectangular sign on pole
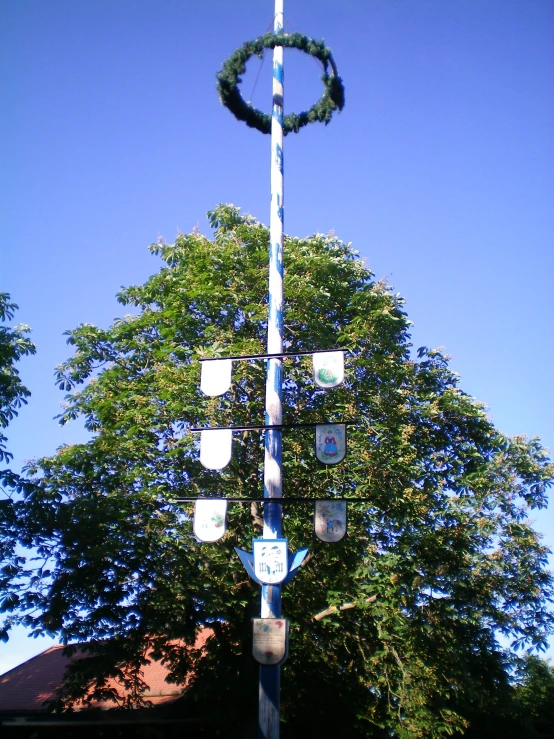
<point x="270" y="643"/>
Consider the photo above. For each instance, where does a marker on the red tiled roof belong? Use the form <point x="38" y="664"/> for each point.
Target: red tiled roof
<point x="28" y="686"/>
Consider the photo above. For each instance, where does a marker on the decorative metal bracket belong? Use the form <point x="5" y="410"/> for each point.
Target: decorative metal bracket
<point x="294" y="562"/>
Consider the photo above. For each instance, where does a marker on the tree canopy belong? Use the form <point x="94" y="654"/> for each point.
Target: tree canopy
<point x="435" y="570"/>
<point x="14" y="344"/>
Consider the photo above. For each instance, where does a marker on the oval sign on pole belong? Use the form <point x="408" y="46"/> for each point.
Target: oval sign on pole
<point x="328" y="369"/>
<point x="330" y="520"/>
<point x="215" y="376"/>
<point x="215" y="448"/>
<point x="330" y="442"/>
<point x="270" y="640"/>
<point x="210" y="519"/>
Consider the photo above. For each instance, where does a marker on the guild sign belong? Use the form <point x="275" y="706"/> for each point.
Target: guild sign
<point x="215" y="448"/>
<point x="271" y="562"/>
<point x="328" y="369"/>
<point x="215" y="376"/>
<point x="330" y="520"/>
<point x="210" y="518"/>
<point x="330" y="442"/>
<point x="270" y="643"/>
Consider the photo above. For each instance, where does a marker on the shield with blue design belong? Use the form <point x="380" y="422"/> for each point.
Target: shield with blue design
<point x="330" y="520"/>
<point x="270" y="560"/>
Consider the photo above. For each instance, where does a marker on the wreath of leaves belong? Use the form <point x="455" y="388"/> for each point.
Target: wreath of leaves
<point x="229" y="78"/>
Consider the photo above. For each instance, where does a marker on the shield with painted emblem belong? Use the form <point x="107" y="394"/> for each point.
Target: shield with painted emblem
<point x="330" y="520"/>
<point x="328" y="369"/>
<point x="270" y="643"/>
<point x="210" y="518"/>
<point x="215" y="376"/>
<point x="215" y="448"/>
<point x="270" y="560"/>
<point x="330" y="442"/>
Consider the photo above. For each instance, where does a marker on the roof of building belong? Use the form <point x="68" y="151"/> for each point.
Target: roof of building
<point x="27" y="687"/>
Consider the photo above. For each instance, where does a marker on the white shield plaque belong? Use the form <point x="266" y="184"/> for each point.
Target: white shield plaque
<point x="328" y="368"/>
<point x="215" y="376"/>
<point x="210" y="519"/>
<point x="330" y="519"/>
<point x="270" y="560"/>
<point x="215" y="448"/>
<point x="270" y="640"/>
<point x="330" y="442"/>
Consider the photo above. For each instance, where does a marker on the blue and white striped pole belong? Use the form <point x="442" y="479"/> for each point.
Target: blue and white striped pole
<point x="271" y="594"/>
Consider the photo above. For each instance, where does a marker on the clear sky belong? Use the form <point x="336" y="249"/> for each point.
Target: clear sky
<point x="440" y="170"/>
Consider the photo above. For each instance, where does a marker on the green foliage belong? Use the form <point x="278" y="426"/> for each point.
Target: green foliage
<point x="442" y="561"/>
<point x="13" y="345"/>
<point x="521" y="709"/>
<point x="229" y="78"/>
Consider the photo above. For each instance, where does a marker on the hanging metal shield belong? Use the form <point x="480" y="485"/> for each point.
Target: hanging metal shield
<point x="270" y="560"/>
<point x="215" y="376"/>
<point x="330" y="442"/>
<point x="210" y="518"/>
<point x="330" y="519"/>
<point x="215" y="448"/>
<point x="270" y="642"/>
<point x="328" y="369"/>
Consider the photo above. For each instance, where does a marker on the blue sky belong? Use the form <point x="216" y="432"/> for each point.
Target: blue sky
<point x="440" y="170"/>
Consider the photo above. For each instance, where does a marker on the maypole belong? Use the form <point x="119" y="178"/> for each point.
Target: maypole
<point x="270" y="564"/>
<point x="269" y="685"/>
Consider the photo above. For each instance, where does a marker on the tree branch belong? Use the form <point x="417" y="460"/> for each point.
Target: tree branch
<point x="344" y="607"/>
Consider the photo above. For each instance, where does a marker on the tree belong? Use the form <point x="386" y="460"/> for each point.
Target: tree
<point x="14" y="344"/>
<point x="433" y="570"/>
<point x="524" y="709"/>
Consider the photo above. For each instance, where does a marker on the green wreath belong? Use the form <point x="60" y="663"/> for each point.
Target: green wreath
<point x="230" y="77"/>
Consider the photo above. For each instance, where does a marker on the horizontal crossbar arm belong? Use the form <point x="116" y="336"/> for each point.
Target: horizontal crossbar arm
<point x="196" y="429"/>
<point x="241" y="357"/>
<point x="280" y="501"/>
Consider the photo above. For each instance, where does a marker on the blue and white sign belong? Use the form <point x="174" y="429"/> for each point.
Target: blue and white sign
<point x="328" y="369"/>
<point x="271" y="562"/>
<point x="330" y="442"/>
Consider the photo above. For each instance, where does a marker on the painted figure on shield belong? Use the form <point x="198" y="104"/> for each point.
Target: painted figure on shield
<point x="330" y="448"/>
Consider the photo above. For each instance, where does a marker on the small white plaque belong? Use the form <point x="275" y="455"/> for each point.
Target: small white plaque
<point x="270" y="640"/>
<point x="271" y="562"/>
<point x="215" y="376"/>
<point x="210" y="519"/>
<point x="215" y="448"/>
<point x="330" y="442"/>
<point x="328" y="369"/>
<point x="330" y="520"/>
